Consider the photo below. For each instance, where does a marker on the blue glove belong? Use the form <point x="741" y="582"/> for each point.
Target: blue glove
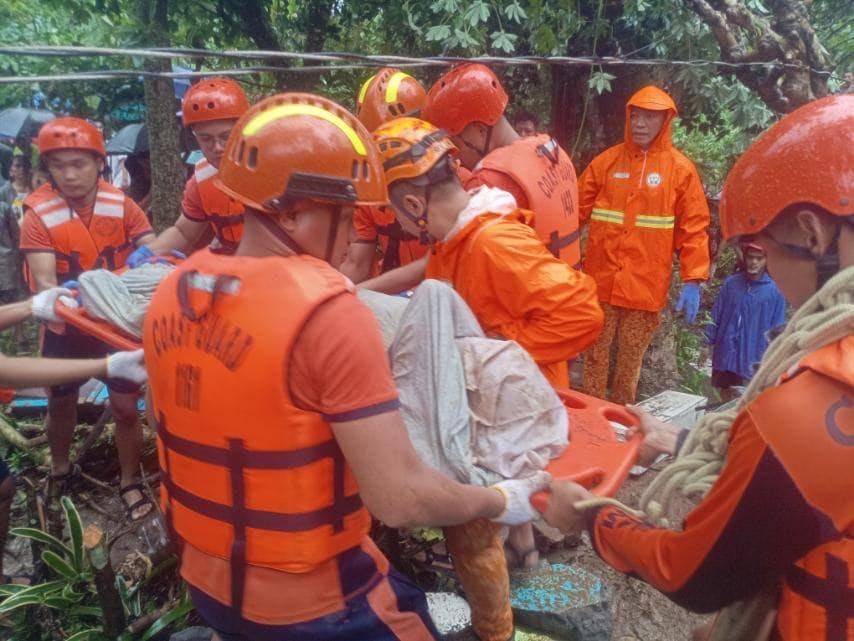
<point x="178" y="254"/>
<point x="689" y="301"/>
<point x="71" y="284"/>
<point x="139" y="256"/>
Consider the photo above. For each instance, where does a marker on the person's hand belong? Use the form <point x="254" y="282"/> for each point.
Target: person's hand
<point x="43" y="304"/>
<point x="689" y="301"/>
<point x="561" y="512"/>
<point x="658" y="437"/>
<point x="127" y="365"/>
<point x="139" y="256"/>
<point x="517" y="498"/>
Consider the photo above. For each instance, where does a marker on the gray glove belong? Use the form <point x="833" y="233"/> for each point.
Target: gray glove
<point x="43" y="303"/>
<point x="127" y="365"/>
<point x="517" y="496"/>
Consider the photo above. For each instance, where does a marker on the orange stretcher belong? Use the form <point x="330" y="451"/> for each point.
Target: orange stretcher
<point x="597" y="456"/>
<point x="101" y="330"/>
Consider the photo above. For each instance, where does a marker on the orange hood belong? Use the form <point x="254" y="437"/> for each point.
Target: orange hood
<point x="651" y="97"/>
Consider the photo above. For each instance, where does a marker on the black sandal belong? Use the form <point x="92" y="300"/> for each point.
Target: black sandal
<point x="145" y="500"/>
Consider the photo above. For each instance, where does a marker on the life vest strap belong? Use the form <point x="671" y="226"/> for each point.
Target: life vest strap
<point x="556" y="242"/>
<point x="832" y="593"/>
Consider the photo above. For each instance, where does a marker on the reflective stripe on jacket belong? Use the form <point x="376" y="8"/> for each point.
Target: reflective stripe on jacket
<point x="78" y="248"/>
<point x="642" y="206"/>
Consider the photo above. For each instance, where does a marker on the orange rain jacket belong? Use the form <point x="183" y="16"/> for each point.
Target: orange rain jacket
<point x="517" y="289"/>
<point x="642" y="206"/>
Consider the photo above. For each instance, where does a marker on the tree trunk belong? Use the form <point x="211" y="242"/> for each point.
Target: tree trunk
<point x="782" y="34"/>
<point x="167" y="168"/>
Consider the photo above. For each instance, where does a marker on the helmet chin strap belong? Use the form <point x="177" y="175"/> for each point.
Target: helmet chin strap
<point x="424" y="236"/>
<point x="826" y="265"/>
<point x="286" y="239"/>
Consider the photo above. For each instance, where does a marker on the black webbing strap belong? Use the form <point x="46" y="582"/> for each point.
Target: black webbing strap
<point x="832" y="593"/>
<point x="238" y="522"/>
<point x="556" y="242"/>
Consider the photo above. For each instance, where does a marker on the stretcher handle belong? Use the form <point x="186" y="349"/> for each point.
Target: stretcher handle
<point x="100" y="330"/>
<point x="588" y="478"/>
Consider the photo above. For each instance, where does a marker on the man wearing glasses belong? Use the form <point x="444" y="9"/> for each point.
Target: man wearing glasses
<point x="210" y="109"/>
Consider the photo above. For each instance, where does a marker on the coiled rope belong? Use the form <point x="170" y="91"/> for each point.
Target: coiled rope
<point x="826" y="317"/>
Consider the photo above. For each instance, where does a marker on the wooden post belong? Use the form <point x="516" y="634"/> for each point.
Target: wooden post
<point x="95" y="543"/>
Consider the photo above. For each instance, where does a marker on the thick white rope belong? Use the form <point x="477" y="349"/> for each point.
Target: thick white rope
<point x="825" y="318"/>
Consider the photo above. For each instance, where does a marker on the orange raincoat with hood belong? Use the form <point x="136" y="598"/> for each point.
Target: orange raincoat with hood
<point x="642" y="206"/>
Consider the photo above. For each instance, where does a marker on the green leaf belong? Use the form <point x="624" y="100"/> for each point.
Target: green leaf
<point x="18" y="602"/>
<point x="41" y="537"/>
<point x="438" y="33"/>
<point x="75" y="527"/>
<point x="92" y="634"/>
<point x="600" y="81"/>
<point x="504" y="41"/>
<point x="57" y="602"/>
<point x="167" y="619"/>
<point x="8" y="589"/>
<point x="40" y="590"/>
<point x="59" y="565"/>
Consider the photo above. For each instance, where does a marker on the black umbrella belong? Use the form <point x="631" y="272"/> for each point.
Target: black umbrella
<point x="20" y="121"/>
<point x="132" y="139"/>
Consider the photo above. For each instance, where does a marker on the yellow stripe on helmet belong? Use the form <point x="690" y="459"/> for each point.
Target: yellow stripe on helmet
<point x="286" y="111"/>
<point x="364" y="90"/>
<point x="394" y="85"/>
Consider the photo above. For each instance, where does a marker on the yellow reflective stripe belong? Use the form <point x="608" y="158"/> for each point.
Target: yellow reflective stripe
<point x="607" y="216"/>
<point x="285" y="111"/>
<point x="393" y="86"/>
<point x="658" y="222"/>
<point x="364" y="90"/>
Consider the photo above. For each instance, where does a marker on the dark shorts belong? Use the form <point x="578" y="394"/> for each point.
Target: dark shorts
<point x="75" y="344"/>
<point x="723" y="378"/>
<point x="4" y="471"/>
<point x="359" y="620"/>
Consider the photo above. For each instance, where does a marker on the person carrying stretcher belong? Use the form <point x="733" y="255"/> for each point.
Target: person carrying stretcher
<point x="74" y="223"/>
<point x="278" y="427"/>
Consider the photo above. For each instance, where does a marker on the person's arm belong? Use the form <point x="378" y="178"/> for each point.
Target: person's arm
<point x="749" y="529"/>
<point x="588" y="188"/>
<point x="36" y="372"/>
<point x="183" y="236"/>
<point x="402" y="491"/>
<point x="398" y="280"/>
<point x="360" y="256"/>
<point x="691" y="238"/>
<point x="555" y="310"/>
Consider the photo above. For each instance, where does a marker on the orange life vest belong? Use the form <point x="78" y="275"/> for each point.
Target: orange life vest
<point x="247" y="476"/>
<point x="78" y="248"/>
<point x="223" y="212"/>
<point x="545" y="173"/>
<point x="808" y="422"/>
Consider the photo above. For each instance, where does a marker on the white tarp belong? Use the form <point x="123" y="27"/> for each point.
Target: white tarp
<point x="476" y="408"/>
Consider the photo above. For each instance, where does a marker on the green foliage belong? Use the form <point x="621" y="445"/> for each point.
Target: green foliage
<point x="69" y="599"/>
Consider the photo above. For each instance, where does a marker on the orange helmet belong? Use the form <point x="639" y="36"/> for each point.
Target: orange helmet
<point x="802" y="159"/>
<point x="213" y="99"/>
<point x="390" y="93"/>
<point x="70" y="133"/>
<point x="296" y="146"/>
<point x="468" y="93"/>
<point x="412" y="148"/>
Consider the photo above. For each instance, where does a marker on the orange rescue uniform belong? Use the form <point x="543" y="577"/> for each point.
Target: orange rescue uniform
<point x="642" y="205"/>
<point x="372" y="224"/>
<point x="781" y="511"/>
<point x="100" y="238"/>
<point x="254" y="484"/>
<point x="515" y="287"/>
<point x="204" y="202"/>
<point x="541" y="176"/>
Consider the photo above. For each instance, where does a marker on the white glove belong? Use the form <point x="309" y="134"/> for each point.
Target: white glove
<point x="43" y="303"/>
<point x="517" y="496"/>
<point x="127" y="365"/>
